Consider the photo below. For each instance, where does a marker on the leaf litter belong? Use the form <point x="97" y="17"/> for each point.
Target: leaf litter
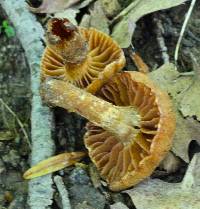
<point x="157" y="194"/>
<point x="170" y="80"/>
<point x="183" y="89"/>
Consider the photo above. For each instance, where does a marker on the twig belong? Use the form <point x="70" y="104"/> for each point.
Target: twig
<point x="30" y="34"/>
<point x="63" y="192"/>
<point x="187" y="17"/>
<point x="137" y="60"/>
<point x="18" y="121"/>
<point x="160" y="39"/>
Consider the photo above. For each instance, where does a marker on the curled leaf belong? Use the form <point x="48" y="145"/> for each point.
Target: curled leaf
<point x="53" y="164"/>
<point x="133" y="13"/>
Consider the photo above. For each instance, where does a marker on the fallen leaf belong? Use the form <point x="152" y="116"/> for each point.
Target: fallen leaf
<point x="157" y="194"/>
<point x="69" y="13"/>
<point x="111" y="7"/>
<point x="98" y="19"/>
<point x="53" y="164"/>
<point x="85" y="21"/>
<point x="190" y="103"/>
<point x="52" y="6"/>
<point x="133" y="13"/>
<point x="118" y="205"/>
<point x="172" y="82"/>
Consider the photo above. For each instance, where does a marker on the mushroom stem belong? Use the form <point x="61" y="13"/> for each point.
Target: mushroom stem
<point x="123" y="122"/>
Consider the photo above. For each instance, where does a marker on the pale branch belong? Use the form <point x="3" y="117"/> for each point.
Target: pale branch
<point x="30" y="33"/>
<point x="63" y="192"/>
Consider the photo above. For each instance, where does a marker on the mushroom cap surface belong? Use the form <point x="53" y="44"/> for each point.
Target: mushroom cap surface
<point x="104" y="59"/>
<point x="124" y="165"/>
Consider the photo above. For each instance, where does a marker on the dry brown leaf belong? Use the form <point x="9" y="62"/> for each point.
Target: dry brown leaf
<point x="157" y="194"/>
<point x="52" y="6"/>
<point x="171" y="81"/>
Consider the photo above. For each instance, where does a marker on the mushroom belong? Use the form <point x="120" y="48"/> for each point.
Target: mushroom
<point x="131" y="125"/>
<point x="84" y="57"/>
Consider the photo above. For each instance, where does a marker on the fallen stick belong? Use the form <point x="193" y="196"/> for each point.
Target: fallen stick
<point x="63" y="192"/>
<point x="30" y="33"/>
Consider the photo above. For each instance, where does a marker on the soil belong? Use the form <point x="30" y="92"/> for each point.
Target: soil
<point x="15" y="93"/>
<point x="15" y="99"/>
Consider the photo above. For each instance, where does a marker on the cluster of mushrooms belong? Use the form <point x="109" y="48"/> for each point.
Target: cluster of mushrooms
<point x="131" y="121"/>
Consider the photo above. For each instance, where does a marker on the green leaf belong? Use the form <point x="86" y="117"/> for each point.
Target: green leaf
<point x="5" y="24"/>
<point x="9" y="31"/>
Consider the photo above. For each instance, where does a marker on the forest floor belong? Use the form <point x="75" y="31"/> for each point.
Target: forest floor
<point x="15" y="110"/>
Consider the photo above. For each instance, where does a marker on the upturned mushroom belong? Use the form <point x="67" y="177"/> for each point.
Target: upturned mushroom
<point x="131" y="125"/>
<point x="84" y="57"/>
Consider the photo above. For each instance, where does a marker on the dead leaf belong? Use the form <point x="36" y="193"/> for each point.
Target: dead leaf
<point x="53" y="164"/>
<point x="85" y="21"/>
<point x="190" y="104"/>
<point x="98" y="19"/>
<point x="133" y="13"/>
<point x="157" y="194"/>
<point x="172" y="82"/>
<point x="111" y="7"/>
<point x="52" y="6"/>
<point x="118" y="205"/>
<point x="69" y="13"/>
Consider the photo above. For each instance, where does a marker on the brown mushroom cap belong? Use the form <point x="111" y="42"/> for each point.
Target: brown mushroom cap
<point x="124" y="165"/>
<point x="104" y="58"/>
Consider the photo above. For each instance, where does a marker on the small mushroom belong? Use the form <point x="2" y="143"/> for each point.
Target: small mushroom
<point x="125" y="163"/>
<point x="84" y="57"/>
<point x="131" y="125"/>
